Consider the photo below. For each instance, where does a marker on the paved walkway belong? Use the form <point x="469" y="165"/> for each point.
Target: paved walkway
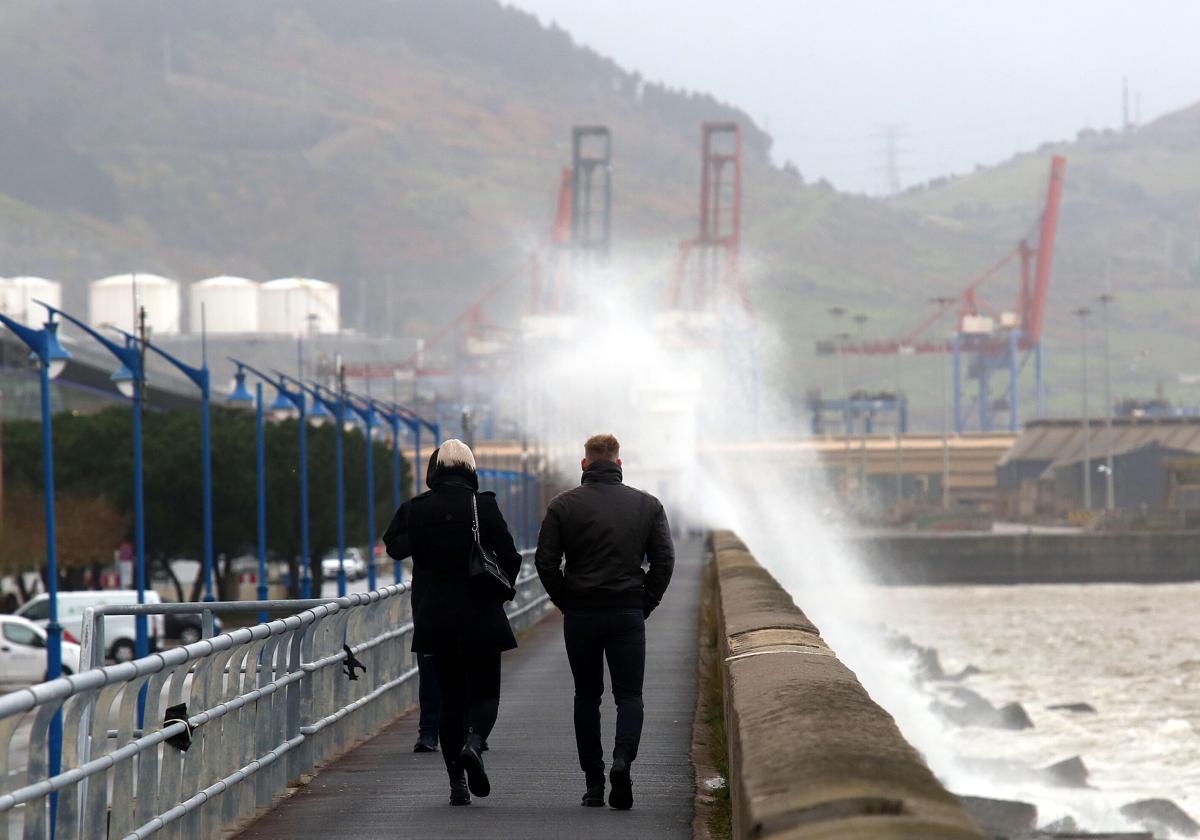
<point x="383" y="790"/>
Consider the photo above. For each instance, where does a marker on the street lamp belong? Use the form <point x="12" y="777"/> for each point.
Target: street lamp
<point x="942" y="303"/>
<point x="130" y="380"/>
<point x="285" y="401"/>
<point x="366" y="413"/>
<point x="241" y="394"/>
<point x="1110" y="496"/>
<point x="52" y="357"/>
<point x="398" y="416"/>
<point x="335" y="405"/>
<point x="200" y="378"/>
<point x="1082" y="313"/>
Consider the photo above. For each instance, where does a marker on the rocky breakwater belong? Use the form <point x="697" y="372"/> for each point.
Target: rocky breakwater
<point x="811" y="755"/>
<point x="1010" y="819"/>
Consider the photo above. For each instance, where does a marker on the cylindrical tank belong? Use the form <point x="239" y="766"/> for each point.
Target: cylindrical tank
<point x="229" y="304"/>
<point x="298" y="306"/>
<point x="115" y="300"/>
<point x="19" y="297"/>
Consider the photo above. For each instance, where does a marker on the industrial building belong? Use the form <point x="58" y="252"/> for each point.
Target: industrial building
<point x="878" y="468"/>
<point x="1043" y="473"/>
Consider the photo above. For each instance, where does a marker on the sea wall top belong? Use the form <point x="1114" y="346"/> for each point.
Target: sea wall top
<point x="811" y="755"/>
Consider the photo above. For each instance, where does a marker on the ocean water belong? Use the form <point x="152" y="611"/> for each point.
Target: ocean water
<point x="1131" y="651"/>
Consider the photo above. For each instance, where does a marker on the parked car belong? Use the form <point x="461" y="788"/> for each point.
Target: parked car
<point x="23" y="653"/>
<point x="120" y="631"/>
<point x="187" y="627"/>
<point x="356" y="566"/>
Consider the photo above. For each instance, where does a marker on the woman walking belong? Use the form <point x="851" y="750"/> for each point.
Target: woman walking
<point x="458" y="615"/>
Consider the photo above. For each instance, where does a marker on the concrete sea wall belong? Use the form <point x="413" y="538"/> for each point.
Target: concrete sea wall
<point x="1133" y="557"/>
<point x="811" y="756"/>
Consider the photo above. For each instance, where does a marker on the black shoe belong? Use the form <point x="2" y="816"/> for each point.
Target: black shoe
<point x="459" y="795"/>
<point x="426" y="744"/>
<point x="621" y="795"/>
<point x="594" y="797"/>
<point x="471" y="760"/>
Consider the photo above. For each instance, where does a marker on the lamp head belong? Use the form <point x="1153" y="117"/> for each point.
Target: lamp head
<point x="125" y="382"/>
<point x="56" y="354"/>
<point x="283" y="407"/>
<point x="240" y="393"/>
<point x="319" y="414"/>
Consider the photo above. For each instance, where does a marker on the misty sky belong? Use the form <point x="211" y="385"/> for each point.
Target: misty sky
<point x="963" y="81"/>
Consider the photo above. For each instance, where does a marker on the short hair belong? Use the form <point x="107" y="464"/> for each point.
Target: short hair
<point x="455" y="453"/>
<point x="602" y="448"/>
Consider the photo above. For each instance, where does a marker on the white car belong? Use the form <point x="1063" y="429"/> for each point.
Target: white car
<point x="356" y="567"/>
<point x="23" y="653"/>
<point x="120" y="631"/>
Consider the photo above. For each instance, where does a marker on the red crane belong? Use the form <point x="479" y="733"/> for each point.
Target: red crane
<point x="1031" y="295"/>
<point x="709" y="263"/>
<point x="1020" y="330"/>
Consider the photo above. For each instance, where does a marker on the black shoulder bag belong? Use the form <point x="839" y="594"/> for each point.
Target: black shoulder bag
<point x="483" y="570"/>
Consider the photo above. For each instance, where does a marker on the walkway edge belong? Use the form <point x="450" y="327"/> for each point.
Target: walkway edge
<point x="811" y="755"/>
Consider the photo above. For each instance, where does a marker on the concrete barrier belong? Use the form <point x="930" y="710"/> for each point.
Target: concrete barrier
<point x="811" y="756"/>
<point x="1101" y="557"/>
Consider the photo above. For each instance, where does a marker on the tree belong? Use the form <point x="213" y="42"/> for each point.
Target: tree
<point x="94" y="465"/>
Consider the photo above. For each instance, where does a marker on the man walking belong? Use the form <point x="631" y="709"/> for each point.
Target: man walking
<point x="606" y="531"/>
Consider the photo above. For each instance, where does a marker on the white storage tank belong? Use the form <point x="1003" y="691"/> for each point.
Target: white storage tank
<point x="229" y="304"/>
<point x="298" y="306"/>
<point x="115" y="300"/>
<point x="19" y="297"/>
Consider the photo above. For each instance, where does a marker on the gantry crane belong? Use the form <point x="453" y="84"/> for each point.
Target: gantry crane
<point x="994" y="340"/>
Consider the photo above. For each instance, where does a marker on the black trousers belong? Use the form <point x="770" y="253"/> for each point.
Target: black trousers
<point x="428" y="696"/>
<point x="592" y="636"/>
<point x="470" y="688"/>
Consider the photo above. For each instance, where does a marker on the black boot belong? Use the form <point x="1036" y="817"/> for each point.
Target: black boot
<point x="594" y="796"/>
<point x="621" y="795"/>
<point x="471" y="760"/>
<point x="459" y="795"/>
<point x="426" y="744"/>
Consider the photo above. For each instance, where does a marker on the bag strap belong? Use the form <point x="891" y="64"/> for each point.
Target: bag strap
<point x="475" y="520"/>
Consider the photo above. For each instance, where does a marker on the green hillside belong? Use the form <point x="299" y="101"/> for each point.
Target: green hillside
<point x="410" y="150"/>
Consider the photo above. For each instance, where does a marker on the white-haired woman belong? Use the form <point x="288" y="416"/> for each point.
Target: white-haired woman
<point x="463" y="628"/>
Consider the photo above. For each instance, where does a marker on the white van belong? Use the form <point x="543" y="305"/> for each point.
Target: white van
<point x="23" y="653"/>
<point x="120" y="631"/>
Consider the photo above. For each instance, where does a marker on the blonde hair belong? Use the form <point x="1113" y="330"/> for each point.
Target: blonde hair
<point x="455" y="453"/>
<point x="602" y="448"/>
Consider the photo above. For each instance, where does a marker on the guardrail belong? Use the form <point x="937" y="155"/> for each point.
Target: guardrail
<point x="229" y="721"/>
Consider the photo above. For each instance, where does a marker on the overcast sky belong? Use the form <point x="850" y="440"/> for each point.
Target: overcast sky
<point x="962" y="81"/>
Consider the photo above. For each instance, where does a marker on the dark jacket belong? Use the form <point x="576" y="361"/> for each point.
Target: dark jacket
<point x="605" y="530"/>
<point x="449" y="616"/>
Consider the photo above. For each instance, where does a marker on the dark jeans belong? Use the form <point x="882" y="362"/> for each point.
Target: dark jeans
<point x="620" y="637"/>
<point x="470" y="687"/>
<point x="428" y="696"/>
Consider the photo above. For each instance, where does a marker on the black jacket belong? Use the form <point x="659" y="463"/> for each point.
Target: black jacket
<point x="605" y="530"/>
<point x="435" y="528"/>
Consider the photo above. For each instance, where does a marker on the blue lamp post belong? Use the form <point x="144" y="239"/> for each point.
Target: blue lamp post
<point x="130" y="381"/>
<point x="334" y="405"/>
<point x="241" y="394"/>
<point x="200" y="378"/>
<point x="287" y="400"/>
<point x="52" y="358"/>
<point x="366" y="412"/>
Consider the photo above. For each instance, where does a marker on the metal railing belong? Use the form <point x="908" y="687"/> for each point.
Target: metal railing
<point x="189" y="742"/>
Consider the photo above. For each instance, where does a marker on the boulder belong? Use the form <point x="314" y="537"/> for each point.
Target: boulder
<point x="1070" y="772"/>
<point x="969" y="671"/>
<point x="1012" y="716"/>
<point x="1159" y="815"/>
<point x="1074" y="708"/>
<point x="1065" y="825"/>
<point x="1001" y="817"/>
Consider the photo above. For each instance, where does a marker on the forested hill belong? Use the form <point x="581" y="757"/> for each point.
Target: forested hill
<point x="413" y="143"/>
